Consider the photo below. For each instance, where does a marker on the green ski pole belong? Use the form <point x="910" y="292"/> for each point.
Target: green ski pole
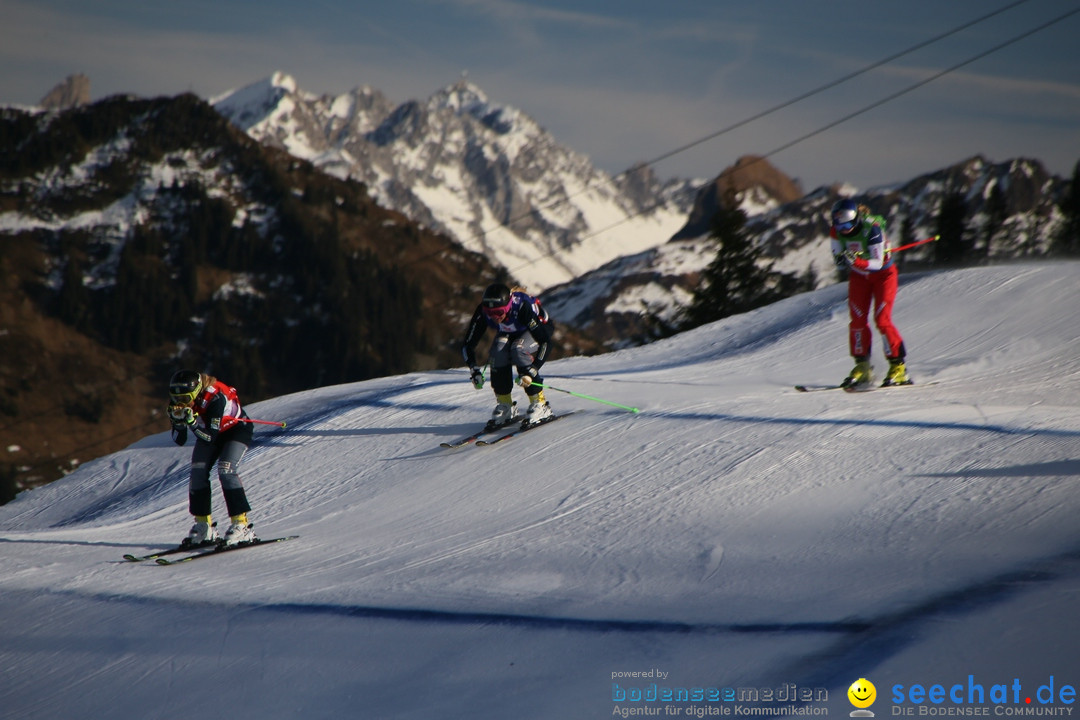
<point x="587" y="397"/>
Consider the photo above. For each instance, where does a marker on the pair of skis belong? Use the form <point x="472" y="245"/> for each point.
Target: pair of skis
<point x="202" y="551"/>
<point x="855" y="388"/>
<point x="478" y="437"/>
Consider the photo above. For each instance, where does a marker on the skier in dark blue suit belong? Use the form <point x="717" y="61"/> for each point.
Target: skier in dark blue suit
<point x="523" y="334"/>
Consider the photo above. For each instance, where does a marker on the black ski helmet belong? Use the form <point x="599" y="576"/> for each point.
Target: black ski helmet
<point x="497" y="295"/>
<point x="185" y="386"/>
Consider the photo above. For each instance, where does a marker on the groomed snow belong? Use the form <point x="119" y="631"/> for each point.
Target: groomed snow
<point x="734" y="533"/>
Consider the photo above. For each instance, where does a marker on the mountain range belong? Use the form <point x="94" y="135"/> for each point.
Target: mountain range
<point x="606" y="252"/>
<point x="485" y="174"/>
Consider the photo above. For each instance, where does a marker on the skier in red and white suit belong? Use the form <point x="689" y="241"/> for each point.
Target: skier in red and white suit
<point x="859" y="242"/>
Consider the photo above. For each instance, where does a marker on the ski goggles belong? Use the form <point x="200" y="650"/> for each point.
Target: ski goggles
<point x="183" y="395"/>
<point x="496" y="312"/>
<point x="845" y="221"/>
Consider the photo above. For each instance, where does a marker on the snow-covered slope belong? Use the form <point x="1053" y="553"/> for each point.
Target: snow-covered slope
<point x="734" y="533"/>
<point x="486" y="174"/>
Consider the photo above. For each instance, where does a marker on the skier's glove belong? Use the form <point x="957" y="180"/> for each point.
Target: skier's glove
<point x="527" y="376"/>
<point x="477" y="377"/>
<point x="181" y="415"/>
<point x="855" y="261"/>
<point x="840" y="260"/>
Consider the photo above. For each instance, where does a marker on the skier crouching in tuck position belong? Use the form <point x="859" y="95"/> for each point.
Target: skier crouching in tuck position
<point x="523" y="333"/>
<point x="211" y="409"/>
<point x="859" y="242"/>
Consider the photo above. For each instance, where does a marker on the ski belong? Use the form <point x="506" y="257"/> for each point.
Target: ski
<point x="462" y="442"/>
<point x="219" y="549"/>
<point x="171" y="551"/>
<point x="867" y="388"/>
<point x="888" y="387"/>
<point x="522" y="429"/>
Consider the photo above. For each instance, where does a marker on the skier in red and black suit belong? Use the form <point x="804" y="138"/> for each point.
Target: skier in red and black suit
<point x="523" y="334"/>
<point x="211" y="410"/>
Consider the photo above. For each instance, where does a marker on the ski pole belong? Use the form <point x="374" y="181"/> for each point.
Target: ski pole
<point x="483" y="377"/>
<point x="587" y="397"/>
<point x="259" y="422"/>
<point x="915" y="244"/>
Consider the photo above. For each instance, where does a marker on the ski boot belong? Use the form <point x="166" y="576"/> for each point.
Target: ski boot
<point x="240" y="532"/>
<point x="539" y="411"/>
<point x="203" y="532"/>
<point x="860" y="376"/>
<point x="897" y="374"/>
<point x="503" y="414"/>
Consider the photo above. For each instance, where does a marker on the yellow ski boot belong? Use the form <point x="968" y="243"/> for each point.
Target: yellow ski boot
<point x="897" y="374"/>
<point x="860" y="376"/>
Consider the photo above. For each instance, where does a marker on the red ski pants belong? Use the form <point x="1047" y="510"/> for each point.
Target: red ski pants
<point x="880" y="288"/>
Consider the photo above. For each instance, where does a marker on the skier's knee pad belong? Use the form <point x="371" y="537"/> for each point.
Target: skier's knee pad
<point x="229" y="479"/>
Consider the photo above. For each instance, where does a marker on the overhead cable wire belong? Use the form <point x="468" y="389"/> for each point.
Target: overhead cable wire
<point x="781" y="106"/>
<point x="822" y="88"/>
<point x="802" y="138"/>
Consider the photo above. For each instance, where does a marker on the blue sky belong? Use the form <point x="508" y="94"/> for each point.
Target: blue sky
<point x="619" y="80"/>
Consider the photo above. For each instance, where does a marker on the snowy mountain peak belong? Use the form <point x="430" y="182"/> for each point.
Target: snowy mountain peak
<point x="250" y="105"/>
<point x="284" y="81"/>
<point x="464" y="98"/>
<point x="483" y="173"/>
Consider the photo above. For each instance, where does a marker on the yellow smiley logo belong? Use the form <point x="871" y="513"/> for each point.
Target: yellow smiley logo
<point x="862" y="693"/>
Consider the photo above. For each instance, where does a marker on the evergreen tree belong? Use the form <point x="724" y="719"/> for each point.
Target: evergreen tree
<point x="951" y="249"/>
<point x="736" y="281"/>
<point x="997" y="212"/>
<point x="9" y="486"/>
<point x="1066" y="240"/>
<point x="903" y="235"/>
<point x="73" y="302"/>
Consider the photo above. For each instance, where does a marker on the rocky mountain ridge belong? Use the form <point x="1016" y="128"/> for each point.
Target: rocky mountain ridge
<point x="1012" y="211"/>
<point x="486" y="174"/>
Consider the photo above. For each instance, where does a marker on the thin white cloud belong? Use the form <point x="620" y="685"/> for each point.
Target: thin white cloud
<point x="508" y="10"/>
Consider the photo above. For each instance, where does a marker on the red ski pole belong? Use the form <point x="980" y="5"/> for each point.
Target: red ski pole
<point x="259" y="422"/>
<point x="914" y="244"/>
